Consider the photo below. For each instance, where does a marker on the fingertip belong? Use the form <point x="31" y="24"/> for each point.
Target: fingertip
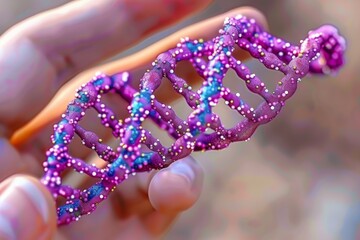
<point x="51" y="220"/>
<point x="27" y="209"/>
<point x="170" y="192"/>
<point x="177" y="187"/>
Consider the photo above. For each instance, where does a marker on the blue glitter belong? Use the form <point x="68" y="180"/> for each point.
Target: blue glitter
<point x="210" y="90"/>
<point x="98" y="82"/>
<point x="95" y="190"/>
<point x="194" y="48"/>
<point x="143" y="158"/>
<point x="75" y="206"/>
<point x="136" y="105"/>
<point x="139" y="103"/>
<point x="74" y="108"/>
<point x="63" y="122"/>
<point x="59" y="137"/>
<point x="191" y="46"/>
<point x="134" y="134"/>
<point x="115" y="165"/>
<point x="51" y="161"/>
<point x="83" y="97"/>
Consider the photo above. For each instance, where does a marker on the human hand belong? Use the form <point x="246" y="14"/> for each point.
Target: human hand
<point x="36" y="60"/>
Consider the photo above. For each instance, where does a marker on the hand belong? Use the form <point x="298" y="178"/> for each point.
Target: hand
<point x="37" y="57"/>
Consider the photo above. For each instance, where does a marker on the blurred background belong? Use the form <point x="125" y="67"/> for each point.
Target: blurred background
<point x="298" y="177"/>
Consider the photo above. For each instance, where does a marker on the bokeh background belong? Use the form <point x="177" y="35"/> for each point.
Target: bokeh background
<point x="298" y="177"/>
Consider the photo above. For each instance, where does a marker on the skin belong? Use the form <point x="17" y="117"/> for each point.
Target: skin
<point x="42" y="65"/>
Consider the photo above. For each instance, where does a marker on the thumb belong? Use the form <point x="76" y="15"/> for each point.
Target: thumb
<point x="27" y="210"/>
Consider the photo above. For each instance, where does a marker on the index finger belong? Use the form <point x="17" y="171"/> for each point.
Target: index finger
<point x="81" y="33"/>
<point x="39" y="54"/>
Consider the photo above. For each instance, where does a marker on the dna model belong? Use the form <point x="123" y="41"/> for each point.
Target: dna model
<point x="321" y="52"/>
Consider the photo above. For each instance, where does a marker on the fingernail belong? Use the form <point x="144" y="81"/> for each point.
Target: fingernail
<point x="21" y="205"/>
<point x="183" y="169"/>
<point x="35" y="196"/>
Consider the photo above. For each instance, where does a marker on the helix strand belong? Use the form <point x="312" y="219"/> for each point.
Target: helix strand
<point x="321" y="52"/>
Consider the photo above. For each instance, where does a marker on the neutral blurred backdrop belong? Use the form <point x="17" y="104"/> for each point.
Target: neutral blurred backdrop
<point x="298" y="177"/>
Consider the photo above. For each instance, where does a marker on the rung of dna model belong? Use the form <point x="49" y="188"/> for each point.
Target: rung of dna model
<point x="321" y="52"/>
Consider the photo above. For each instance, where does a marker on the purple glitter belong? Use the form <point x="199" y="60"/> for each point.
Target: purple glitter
<point x="321" y="52"/>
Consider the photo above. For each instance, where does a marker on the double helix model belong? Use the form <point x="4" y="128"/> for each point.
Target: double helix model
<point x="321" y="52"/>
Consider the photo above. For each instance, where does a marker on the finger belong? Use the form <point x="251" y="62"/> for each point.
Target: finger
<point x="131" y="197"/>
<point x="171" y="191"/>
<point x="11" y="161"/>
<point x="27" y="211"/>
<point x="44" y="51"/>
<point x="134" y="62"/>
<point x="157" y="223"/>
<point x="168" y="191"/>
<point x="96" y="30"/>
<point x="176" y="188"/>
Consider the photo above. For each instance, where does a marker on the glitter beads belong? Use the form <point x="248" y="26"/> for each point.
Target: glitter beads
<point x="321" y="52"/>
